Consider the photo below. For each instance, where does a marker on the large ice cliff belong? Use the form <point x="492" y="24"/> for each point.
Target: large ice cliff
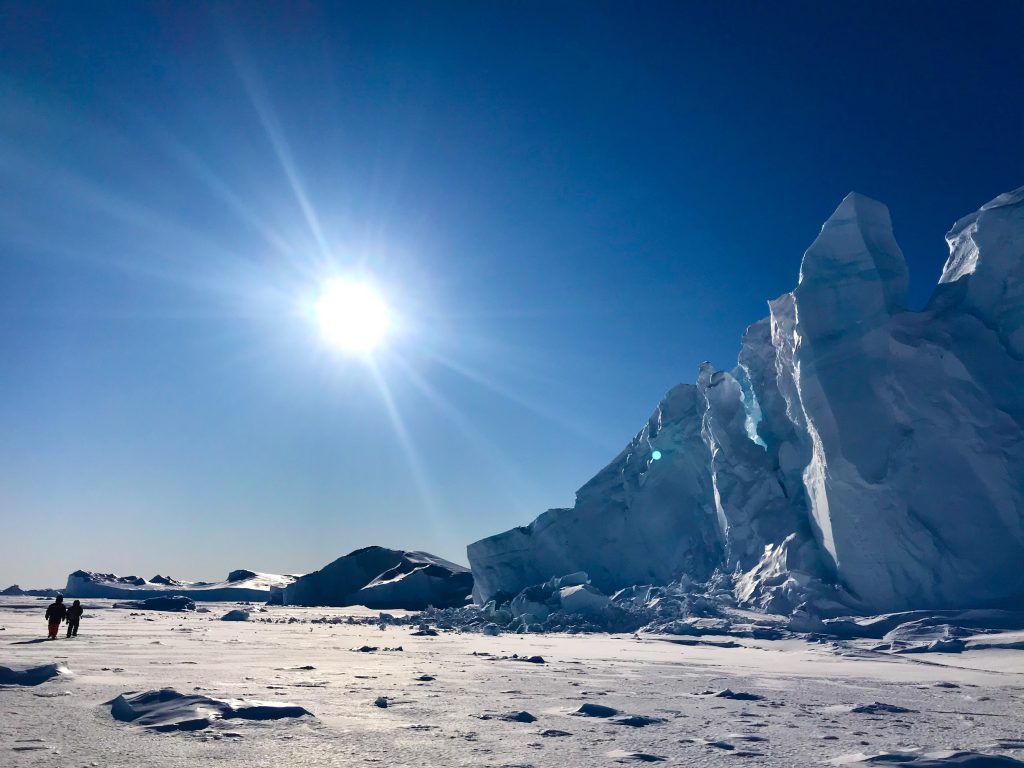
<point x="860" y="457"/>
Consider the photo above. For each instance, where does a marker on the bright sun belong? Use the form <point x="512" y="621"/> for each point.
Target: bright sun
<point x="352" y="316"/>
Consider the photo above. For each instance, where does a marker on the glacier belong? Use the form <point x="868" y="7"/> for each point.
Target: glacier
<point x="860" y="458"/>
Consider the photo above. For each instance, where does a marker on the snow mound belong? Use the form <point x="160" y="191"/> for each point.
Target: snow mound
<point x="22" y="675"/>
<point x="859" y="459"/>
<point x="382" y="578"/>
<point x="167" y="710"/>
<point x="240" y="585"/>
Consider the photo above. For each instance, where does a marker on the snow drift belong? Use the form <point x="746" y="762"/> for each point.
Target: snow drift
<point x="239" y="585"/>
<point x="168" y="710"/>
<point x="26" y="675"/>
<point x="383" y="578"/>
<point x="859" y="458"/>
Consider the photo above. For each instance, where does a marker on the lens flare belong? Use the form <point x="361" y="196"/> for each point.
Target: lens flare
<point x="352" y="316"/>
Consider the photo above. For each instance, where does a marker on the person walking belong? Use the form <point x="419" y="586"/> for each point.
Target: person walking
<point x="55" y="614"/>
<point x="74" y="616"/>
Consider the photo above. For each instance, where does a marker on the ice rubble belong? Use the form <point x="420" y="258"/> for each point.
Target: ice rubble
<point x="860" y="458"/>
<point x="239" y="585"/>
<point x="383" y="578"/>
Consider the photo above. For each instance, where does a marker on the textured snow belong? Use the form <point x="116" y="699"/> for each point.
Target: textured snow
<point x="465" y="714"/>
<point x="377" y="577"/>
<point x="860" y="458"/>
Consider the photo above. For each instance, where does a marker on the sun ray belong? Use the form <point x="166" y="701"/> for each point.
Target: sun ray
<point x="275" y="134"/>
<point x="544" y="412"/>
<point x="426" y="494"/>
<point x="518" y="479"/>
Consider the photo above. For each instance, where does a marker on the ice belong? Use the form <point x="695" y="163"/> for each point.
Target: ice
<point x="640" y="520"/>
<point x="170" y="603"/>
<point x="860" y="458"/>
<point x="14" y="590"/>
<point x="377" y="577"/>
<point x="239" y="585"/>
<point x="984" y="275"/>
<point x="582" y="599"/>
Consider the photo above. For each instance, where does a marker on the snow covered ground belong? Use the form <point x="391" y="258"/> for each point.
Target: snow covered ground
<point x="471" y="700"/>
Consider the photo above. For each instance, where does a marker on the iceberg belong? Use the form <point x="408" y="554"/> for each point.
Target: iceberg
<point x="377" y="577"/>
<point x="240" y="585"/>
<point x="860" y="458"/>
<point x="647" y="517"/>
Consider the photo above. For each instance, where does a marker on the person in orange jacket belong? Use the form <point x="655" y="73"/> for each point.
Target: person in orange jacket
<point x="55" y="614"/>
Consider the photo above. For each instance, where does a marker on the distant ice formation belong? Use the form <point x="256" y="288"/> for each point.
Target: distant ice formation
<point x="859" y="458"/>
<point x="239" y="585"/>
<point x="383" y="578"/>
<point x="173" y="603"/>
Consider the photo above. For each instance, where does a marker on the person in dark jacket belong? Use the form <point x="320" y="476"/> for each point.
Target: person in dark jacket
<point x="55" y="614"/>
<point x="74" y="616"/>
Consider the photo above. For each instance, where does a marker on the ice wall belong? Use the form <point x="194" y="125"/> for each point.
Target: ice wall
<point x="647" y="517"/>
<point x="859" y="456"/>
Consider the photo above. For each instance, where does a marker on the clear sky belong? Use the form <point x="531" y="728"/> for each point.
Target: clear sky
<point x="567" y="205"/>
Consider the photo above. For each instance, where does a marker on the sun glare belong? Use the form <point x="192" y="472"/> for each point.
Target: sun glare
<point x="352" y="316"/>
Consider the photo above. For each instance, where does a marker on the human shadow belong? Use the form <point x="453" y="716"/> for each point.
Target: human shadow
<point x="33" y="641"/>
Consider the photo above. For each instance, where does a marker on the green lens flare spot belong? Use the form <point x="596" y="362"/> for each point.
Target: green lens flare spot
<point x="656" y="455"/>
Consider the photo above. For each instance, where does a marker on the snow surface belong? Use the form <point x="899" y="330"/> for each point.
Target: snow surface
<point x="859" y="458"/>
<point x="461" y="699"/>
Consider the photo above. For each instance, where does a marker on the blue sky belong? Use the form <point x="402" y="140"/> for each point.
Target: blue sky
<point x="568" y="205"/>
